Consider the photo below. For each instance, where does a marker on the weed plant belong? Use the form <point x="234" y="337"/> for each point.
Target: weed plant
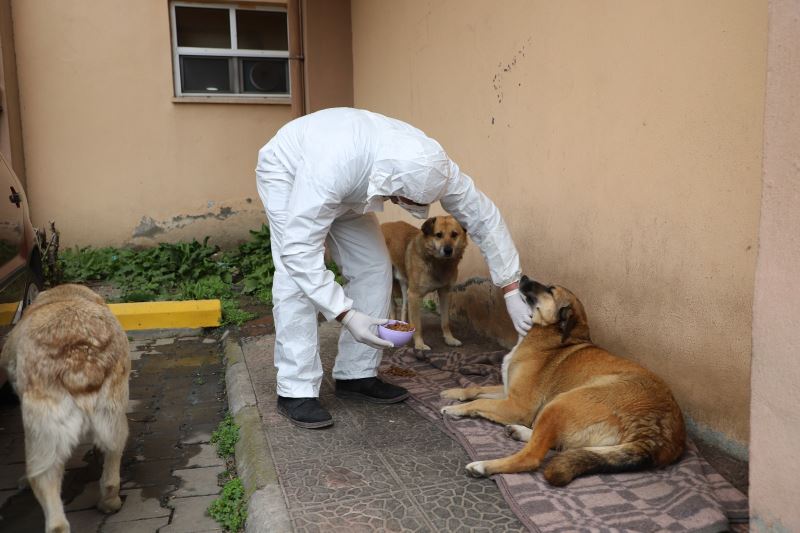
<point x="183" y="271"/>
<point x="253" y="259"/>
<point x="430" y="305"/>
<point x="229" y="510"/>
<point x="226" y="436"/>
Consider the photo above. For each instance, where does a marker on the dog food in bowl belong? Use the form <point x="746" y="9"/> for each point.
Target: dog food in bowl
<point x="396" y="332"/>
<point x="400" y="326"/>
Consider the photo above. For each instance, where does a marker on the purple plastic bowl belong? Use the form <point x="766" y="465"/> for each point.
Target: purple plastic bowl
<point x="398" y="338"/>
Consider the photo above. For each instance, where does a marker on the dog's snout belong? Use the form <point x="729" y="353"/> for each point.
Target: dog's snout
<point x="536" y="287"/>
<point x="448" y="251"/>
<point x="539" y="288"/>
<point x="532" y="287"/>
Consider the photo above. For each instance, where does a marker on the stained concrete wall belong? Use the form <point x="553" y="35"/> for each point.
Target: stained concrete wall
<point x="774" y="467"/>
<point x="109" y="155"/>
<point x="622" y="141"/>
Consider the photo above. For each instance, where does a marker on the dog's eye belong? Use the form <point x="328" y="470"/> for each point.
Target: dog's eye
<point x="439" y="235"/>
<point x="454" y="234"/>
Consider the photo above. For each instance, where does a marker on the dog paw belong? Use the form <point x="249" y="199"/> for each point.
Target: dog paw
<point x="477" y="469"/>
<point x="60" y="526"/>
<point x="422" y="347"/>
<point x="110" y="505"/>
<point x="452" y="394"/>
<point x="450" y="410"/>
<point x="520" y="433"/>
<point x="452" y="341"/>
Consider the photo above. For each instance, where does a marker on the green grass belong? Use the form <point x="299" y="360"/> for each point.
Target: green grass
<point x="337" y="274"/>
<point x="234" y="316"/>
<point x="230" y="509"/>
<point x="226" y="436"/>
<point x="430" y="305"/>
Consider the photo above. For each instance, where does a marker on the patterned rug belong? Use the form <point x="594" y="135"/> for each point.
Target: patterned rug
<point x="687" y="496"/>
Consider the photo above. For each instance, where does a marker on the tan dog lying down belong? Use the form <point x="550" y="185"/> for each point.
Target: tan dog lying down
<point x="605" y="413"/>
<point x="425" y="260"/>
<point x="68" y="361"/>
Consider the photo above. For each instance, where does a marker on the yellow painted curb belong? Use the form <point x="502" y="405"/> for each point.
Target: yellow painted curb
<point x="7" y="313"/>
<point x="168" y="315"/>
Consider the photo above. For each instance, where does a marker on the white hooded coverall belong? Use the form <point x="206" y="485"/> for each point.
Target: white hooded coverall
<point x="322" y="178"/>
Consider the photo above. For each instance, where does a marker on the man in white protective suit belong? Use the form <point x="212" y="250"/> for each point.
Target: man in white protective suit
<point x="322" y="178"/>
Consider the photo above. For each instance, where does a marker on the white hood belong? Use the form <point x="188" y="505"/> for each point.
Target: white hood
<point x="408" y="164"/>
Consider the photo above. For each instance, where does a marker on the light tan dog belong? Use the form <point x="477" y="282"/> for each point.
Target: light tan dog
<point x="606" y="413"/>
<point x="68" y="360"/>
<point x="425" y="260"/>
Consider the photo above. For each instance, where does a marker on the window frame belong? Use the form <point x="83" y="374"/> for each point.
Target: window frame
<point x="233" y="52"/>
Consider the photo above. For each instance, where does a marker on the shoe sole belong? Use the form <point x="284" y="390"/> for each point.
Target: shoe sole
<point x="305" y="425"/>
<point x="371" y="399"/>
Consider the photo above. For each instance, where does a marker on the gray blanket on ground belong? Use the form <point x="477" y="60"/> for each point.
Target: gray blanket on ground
<point x="687" y="496"/>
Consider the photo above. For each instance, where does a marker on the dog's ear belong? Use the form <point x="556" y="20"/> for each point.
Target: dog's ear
<point x="566" y="321"/>
<point x="427" y="226"/>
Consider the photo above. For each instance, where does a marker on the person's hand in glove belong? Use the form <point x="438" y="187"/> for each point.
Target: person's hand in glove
<point x="519" y="310"/>
<point x="361" y="326"/>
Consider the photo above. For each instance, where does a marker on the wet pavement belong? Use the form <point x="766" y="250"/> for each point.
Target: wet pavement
<point x="170" y="470"/>
<point x="379" y="468"/>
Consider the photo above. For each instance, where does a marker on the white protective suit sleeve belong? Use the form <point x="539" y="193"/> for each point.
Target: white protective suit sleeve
<point x="314" y="204"/>
<point x="484" y="224"/>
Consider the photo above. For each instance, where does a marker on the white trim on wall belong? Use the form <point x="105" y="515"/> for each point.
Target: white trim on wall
<point x="234" y="53"/>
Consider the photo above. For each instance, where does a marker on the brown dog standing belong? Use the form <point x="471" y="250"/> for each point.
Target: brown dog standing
<point x="425" y="260"/>
<point x="68" y="360"/>
<point x="606" y="413"/>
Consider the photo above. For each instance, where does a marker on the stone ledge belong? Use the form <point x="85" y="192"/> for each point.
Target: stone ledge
<point x="266" y="508"/>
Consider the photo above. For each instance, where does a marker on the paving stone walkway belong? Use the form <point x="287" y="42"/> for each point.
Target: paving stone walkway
<point x="379" y="468"/>
<point x="169" y="472"/>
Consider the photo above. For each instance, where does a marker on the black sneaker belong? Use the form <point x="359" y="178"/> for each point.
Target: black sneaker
<point x="304" y="412"/>
<point x="7" y="395"/>
<point x="370" y="389"/>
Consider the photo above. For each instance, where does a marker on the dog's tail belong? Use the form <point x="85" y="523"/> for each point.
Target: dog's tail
<point x="52" y="430"/>
<point x="82" y="344"/>
<point x="569" y="464"/>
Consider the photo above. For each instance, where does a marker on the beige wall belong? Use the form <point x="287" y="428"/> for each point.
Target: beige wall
<point x="328" y="54"/>
<point x="108" y="153"/>
<point x="622" y="142"/>
<point x="774" y="468"/>
<point x="10" y="126"/>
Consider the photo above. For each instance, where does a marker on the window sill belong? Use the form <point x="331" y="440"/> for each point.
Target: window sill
<point x="271" y="100"/>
